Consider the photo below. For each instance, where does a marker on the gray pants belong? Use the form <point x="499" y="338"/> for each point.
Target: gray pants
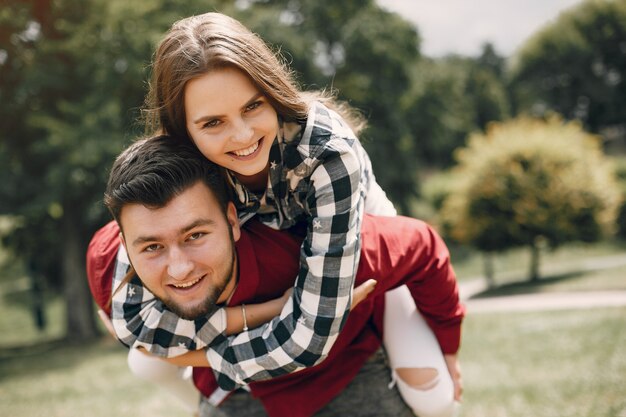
<point x="366" y="396"/>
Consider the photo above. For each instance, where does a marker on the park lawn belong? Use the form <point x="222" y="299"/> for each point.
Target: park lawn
<point x="55" y="380"/>
<point x="544" y="364"/>
<point x="513" y="265"/>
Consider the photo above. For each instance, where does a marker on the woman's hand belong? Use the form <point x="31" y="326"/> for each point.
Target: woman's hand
<point x="285" y="297"/>
<point x="452" y="362"/>
<point x="362" y="291"/>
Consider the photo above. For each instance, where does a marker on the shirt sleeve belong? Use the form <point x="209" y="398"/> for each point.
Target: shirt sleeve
<point x="406" y="251"/>
<point x="308" y="326"/>
<point x="140" y="320"/>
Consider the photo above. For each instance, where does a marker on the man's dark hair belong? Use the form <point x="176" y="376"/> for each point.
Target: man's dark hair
<point x="152" y="171"/>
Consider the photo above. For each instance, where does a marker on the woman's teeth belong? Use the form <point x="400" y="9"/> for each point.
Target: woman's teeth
<point x="248" y="150"/>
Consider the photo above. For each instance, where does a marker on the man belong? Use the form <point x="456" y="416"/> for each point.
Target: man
<point x="184" y="241"/>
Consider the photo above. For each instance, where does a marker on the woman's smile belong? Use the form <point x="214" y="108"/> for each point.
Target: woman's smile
<point x="231" y="122"/>
<point x="249" y="152"/>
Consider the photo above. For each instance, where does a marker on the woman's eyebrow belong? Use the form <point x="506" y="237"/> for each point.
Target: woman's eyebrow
<point x="205" y="118"/>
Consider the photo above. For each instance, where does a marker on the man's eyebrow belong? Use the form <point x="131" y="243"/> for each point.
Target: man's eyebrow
<point x="196" y="223"/>
<point x="205" y="118"/>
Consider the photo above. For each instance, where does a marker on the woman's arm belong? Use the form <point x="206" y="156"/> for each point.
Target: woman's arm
<point x="237" y="319"/>
<point x="307" y="328"/>
<point x="140" y="320"/>
<point x="249" y="316"/>
<point x="198" y="358"/>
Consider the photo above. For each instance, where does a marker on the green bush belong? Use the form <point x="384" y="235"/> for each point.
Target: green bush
<point x="530" y="181"/>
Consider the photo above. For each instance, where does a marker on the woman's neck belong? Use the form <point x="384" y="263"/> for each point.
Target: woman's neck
<point x="256" y="183"/>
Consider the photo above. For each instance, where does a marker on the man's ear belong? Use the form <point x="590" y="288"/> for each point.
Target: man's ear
<point x="123" y="241"/>
<point x="233" y="220"/>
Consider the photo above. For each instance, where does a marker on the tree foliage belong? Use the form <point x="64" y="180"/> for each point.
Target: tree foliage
<point x="73" y="77"/>
<point x="449" y="99"/>
<point x="366" y="56"/>
<point x="527" y="181"/>
<point x="576" y="66"/>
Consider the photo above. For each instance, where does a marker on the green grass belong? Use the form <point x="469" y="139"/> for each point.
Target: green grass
<point x="596" y="280"/>
<point x="513" y="265"/>
<point x="557" y="364"/>
<point x="56" y="380"/>
<point x="17" y="322"/>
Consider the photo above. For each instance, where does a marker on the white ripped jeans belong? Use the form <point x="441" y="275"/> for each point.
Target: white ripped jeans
<point x="410" y="343"/>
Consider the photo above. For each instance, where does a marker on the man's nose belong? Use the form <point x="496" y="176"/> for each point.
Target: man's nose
<point x="179" y="265"/>
<point x="242" y="131"/>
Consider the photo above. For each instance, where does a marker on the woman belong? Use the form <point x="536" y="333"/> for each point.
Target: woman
<point x="293" y="158"/>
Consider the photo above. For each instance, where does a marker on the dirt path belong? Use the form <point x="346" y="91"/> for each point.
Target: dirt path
<point x="547" y="301"/>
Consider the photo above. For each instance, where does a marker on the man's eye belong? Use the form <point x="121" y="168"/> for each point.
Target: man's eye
<point x="196" y="236"/>
<point x="151" y="248"/>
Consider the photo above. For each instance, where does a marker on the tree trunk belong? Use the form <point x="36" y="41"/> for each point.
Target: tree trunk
<point x="535" y="253"/>
<point x="79" y="307"/>
<point x="38" y="308"/>
<point x="489" y="269"/>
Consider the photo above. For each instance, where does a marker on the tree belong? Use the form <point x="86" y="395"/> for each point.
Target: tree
<point x="450" y="98"/>
<point x="527" y="182"/>
<point x="363" y="53"/>
<point x="71" y="85"/>
<point x="576" y="66"/>
<point x="72" y="81"/>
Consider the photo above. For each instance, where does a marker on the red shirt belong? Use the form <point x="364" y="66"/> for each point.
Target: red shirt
<point x="395" y="251"/>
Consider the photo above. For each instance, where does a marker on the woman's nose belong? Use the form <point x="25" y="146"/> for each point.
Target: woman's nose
<point x="242" y="131"/>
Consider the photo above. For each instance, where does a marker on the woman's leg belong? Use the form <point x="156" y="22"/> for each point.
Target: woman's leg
<point x="175" y="380"/>
<point x="415" y="358"/>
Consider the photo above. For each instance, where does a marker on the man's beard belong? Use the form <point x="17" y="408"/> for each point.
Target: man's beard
<point x="205" y="308"/>
<point x="209" y="304"/>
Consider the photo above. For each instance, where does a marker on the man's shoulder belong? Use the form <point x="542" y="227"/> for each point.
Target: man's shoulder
<point x="101" y="254"/>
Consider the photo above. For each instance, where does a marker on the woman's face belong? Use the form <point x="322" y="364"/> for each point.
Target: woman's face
<point x="230" y="121"/>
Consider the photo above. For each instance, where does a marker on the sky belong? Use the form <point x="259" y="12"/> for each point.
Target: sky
<point x="462" y="26"/>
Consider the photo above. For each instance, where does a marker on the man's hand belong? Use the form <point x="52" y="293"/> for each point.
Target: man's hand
<point x="362" y="291"/>
<point x="454" y="368"/>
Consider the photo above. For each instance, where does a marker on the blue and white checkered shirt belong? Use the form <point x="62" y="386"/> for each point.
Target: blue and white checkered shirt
<point x="320" y="175"/>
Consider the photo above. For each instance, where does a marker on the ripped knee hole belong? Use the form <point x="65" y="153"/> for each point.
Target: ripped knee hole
<point x="418" y="378"/>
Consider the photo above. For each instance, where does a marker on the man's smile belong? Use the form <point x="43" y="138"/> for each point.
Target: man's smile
<point x="187" y="285"/>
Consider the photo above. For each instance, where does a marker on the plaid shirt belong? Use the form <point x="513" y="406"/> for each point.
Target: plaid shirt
<point x="319" y="175"/>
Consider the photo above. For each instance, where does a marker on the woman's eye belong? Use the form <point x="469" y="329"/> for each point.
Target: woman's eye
<point x="254" y="105"/>
<point x="211" y="123"/>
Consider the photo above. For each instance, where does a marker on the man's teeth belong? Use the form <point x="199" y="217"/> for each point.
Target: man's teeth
<point x="187" y="284"/>
<point x="247" y="151"/>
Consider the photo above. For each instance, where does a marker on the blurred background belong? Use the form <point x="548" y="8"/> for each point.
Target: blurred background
<point x="502" y="123"/>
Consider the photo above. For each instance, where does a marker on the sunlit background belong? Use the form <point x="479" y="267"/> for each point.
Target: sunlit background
<point x="462" y="27"/>
<point x="502" y="123"/>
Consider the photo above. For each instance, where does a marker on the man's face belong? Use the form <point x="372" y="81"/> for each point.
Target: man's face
<point x="184" y="252"/>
